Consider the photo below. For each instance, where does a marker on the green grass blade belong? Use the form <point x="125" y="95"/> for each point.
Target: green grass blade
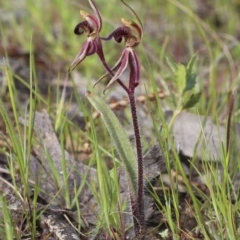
<point x="119" y="138"/>
<point x="7" y="220"/>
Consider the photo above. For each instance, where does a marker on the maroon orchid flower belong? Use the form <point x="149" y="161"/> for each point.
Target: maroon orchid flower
<point x="129" y="57"/>
<point x="132" y="34"/>
<point x="91" y="26"/>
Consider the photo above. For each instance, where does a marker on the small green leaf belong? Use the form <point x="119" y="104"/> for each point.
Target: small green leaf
<point x="181" y="78"/>
<point x="119" y="137"/>
<point x="192" y="101"/>
<point x="191" y="63"/>
<point x="171" y="64"/>
<point x="190" y="81"/>
<point x="190" y="76"/>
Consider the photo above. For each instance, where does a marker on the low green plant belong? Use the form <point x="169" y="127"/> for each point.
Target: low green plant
<point x="132" y="34"/>
<point x="217" y="208"/>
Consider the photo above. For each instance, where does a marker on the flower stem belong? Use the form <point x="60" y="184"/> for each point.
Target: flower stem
<point x="139" y="214"/>
<point x="138" y="206"/>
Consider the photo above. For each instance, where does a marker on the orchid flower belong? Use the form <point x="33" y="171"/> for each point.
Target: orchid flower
<point x="129" y="57"/>
<point x="132" y="34"/>
<point x="91" y="26"/>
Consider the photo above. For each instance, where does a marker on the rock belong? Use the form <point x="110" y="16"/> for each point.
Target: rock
<point x="198" y="136"/>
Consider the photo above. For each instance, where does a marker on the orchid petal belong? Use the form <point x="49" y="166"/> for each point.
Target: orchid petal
<point x="98" y="15"/>
<point x="87" y="49"/>
<point x="92" y="48"/>
<point x="107" y="73"/>
<point x="123" y="65"/>
<point x="136" y="65"/>
<point x="134" y="71"/>
<point x="101" y="78"/>
<point x="117" y="64"/>
<point x="112" y="69"/>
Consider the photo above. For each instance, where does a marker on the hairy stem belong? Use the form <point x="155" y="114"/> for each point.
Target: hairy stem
<point x="139" y="214"/>
<point x="138" y="206"/>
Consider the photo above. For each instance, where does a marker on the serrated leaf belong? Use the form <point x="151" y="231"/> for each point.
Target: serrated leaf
<point x="119" y="137"/>
<point x="191" y="63"/>
<point x="171" y="64"/>
<point x="190" y="76"/>
<point x="192" y="101"/>
<point x="181" y="78"/>
<point x="190" y="81"/>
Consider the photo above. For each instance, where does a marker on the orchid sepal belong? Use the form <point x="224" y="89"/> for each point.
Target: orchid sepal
<point x="122" y="65"/>
<point x="81" y="55"/>
<point x="134" y="64"/>
<point x="128" y="58"/>
<point x="98" y="15"/>
<point x="107" y="73"/>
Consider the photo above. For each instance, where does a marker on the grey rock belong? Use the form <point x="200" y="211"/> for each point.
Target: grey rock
<point x="198" y="136"/>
